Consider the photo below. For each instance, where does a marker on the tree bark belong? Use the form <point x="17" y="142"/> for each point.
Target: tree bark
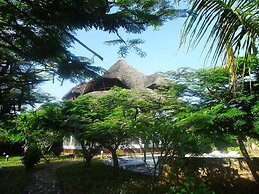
<point x="88" y="155"/>
<point x="247" y="158"/>
<point x="115" y="162"/>
<point x="88" y="162"/>
<point x="145" y="152"/>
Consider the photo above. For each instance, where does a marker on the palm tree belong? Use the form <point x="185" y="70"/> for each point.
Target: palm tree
<point x="233" y="29"/>
<point x="230" y="22"/>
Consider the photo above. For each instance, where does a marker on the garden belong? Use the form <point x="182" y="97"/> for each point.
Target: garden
<point x="178" y="118"/>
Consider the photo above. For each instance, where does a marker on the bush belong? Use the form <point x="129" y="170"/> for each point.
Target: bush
<point x="32" y="156"/>
<point x="191" y="186"/>
<point x="57" y="148"/>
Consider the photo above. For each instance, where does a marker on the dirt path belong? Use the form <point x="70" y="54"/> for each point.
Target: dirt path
<point x="43" y="182"/>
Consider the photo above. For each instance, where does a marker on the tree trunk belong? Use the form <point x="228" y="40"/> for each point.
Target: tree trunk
<point x="88" y="155"/>
<point x="115" y="162"/>
<point x="145" y="152"/>
<point x="88" y="162"/>
<point x="247" y="158"/>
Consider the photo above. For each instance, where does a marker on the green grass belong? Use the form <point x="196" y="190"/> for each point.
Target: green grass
<point x="13" y="175"/>
<point x="99" y="179"/>
<point x="13" y="161"/>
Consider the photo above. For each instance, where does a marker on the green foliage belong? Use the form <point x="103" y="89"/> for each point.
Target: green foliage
<point x="256" y="126"/>
<point x="115" y="116"/>
<point x="238" y="21"/>
<point x="36" y="37"/>
<point x="168" y="126"/>
<point x="31" y="156"/>
<point x="213" y="114"/>
<point x="238" y="31"/>
<point x="255" y="111"/>
<point x="41" y="128"/>
<point x="46" y="30"/>
<point x="191" y="186"/>
<point x="233" y="112"/>
<point x="19" y="84"/>
<point x="127" y="46"/>
<point x="79" y="115"/>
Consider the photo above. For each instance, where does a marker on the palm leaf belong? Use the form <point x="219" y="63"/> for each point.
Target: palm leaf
<point x="227" y="21"/>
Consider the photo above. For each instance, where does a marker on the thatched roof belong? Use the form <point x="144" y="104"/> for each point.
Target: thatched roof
<point x="122" y="71"/>
<point x="120" y="74"/>
<point x="155" y="80"/>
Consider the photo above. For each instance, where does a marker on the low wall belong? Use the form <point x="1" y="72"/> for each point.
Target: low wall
<point x="219" y="172"/>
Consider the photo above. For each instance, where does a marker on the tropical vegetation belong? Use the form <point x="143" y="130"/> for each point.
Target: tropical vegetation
<point x="199" y="111"/>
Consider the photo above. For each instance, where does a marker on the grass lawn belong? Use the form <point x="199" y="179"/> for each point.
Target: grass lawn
<point x="99" y="179"/>
<point x="13" y="175"/>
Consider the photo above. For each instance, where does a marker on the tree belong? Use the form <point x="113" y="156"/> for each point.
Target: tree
<point x="42" y="32"/>
<point x="160" y="126"/>
<point x="114" y="123"/>
<point x="18" y="87"/>
<point x="47" y="126"/>
<point x="233" y="28"/>
<point x="226" y="117"/>
<point x="79" y="116"/>
<point x="27" y="25"/>
<point x="35" y="37"/>
<point x="39" y="130"/>
<point x="238" y="21"/>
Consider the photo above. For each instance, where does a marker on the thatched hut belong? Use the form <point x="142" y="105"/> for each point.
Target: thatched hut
<point x="120" y="74"/>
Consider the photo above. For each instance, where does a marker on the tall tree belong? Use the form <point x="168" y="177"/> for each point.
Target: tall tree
<point x="232" y="27"/>
<point x="38" y="130"/>
<point x="229" y="22"/>
<point x="113" y="127"/>
<point x="159" y="125"/>
<point x="35" y="37"/>
<point x="219" y="114"/>
<point x="79" y="114"/>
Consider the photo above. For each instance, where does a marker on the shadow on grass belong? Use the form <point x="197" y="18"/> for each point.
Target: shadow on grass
<point x="12" y="179"/>
<point x="100" y="179"/>
<point x="13" y="175"/>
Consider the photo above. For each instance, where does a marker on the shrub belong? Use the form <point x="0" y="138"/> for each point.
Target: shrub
<point x="31" y="156"/>
<point x="192" y="187"/>
<point x="57" y="148"/>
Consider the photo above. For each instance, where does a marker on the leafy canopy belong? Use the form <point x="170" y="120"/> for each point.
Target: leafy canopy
<point x="35" y="37"/>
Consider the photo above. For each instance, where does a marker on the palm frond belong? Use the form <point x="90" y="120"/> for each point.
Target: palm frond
<point x="225" y="21"/>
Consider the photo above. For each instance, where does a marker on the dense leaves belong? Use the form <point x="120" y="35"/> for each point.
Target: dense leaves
<point x="35" y="37"/>
<point x="38" y="130"/>
<point x="44" y="30"/>
<point x="219" y="114"/>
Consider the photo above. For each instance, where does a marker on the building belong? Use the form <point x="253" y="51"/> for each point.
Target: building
<point x="120" y="74"/>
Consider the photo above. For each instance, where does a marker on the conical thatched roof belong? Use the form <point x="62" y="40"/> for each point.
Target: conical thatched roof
<point x="120" y="74"/>
<point x="128" y="75"/>
<point x="155" y="80"/>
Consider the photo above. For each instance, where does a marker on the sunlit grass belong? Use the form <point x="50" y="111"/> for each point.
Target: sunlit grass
<point x="12" y="161"/>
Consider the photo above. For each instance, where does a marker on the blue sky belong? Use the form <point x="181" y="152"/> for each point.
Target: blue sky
<point x="161" y="47"/>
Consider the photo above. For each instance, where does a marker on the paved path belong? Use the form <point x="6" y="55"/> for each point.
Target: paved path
<point x="43" y="182"/>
